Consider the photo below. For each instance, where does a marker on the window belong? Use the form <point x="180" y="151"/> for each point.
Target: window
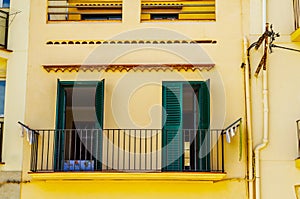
<point x="77" y="10"/>
<point x="186" y="119"/>
<point x="164" y="16"/>
<point x="178" y="10"/>
<point x="79" y="123"/>
<point x="4" y="3"/>
<point x="101" y="16"/>
<point x="2" y="97"/>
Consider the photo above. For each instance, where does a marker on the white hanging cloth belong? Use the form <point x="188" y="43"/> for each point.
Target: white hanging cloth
<point x="29" y="133"/>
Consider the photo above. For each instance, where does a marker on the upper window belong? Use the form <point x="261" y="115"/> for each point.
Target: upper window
<point x="82" y="10"/>
<point x="4" y="3"/>
<point x="178" y="10"/>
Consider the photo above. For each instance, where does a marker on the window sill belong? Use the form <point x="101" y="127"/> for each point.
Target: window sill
<point x="297" y="163"/>
<point x="174" y="176"/>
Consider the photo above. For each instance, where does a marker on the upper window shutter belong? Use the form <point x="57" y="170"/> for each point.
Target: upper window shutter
<point x="172" y="135"/>
<point x="99" y="103"/>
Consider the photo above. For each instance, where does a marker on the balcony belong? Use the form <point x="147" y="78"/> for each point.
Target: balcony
<point x="127" y="150"/>
<point x="84" y="10"/>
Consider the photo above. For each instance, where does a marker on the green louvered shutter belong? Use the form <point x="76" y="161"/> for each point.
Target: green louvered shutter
<point x="60" y="124"/>
<point x="172" y="135"/>
<point x="204" y="124"/>
<point x="99" y="108"/>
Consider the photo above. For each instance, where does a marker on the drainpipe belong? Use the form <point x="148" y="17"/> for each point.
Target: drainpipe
<point x="248" y="118"/>
<point x="265" y="139"/>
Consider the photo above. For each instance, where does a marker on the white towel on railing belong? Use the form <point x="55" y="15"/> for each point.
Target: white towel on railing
<point x="230" y="133"/>
<point x="29" y="134"/>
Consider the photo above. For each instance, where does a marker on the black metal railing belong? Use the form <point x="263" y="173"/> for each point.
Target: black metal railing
<point x="4" y="22"/>
<point x="128" y="150"/>
<point x="1" y="140"/>
<point x="298" y="136"/>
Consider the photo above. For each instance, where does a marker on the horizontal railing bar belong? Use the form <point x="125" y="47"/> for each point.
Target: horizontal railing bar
<point x="177" y="5"/>
<point x="86" y="6"/>
<point x="25" y="126"/>
<point x="77" y="13"/>
<point x="194" y="12"/>
<point x="233" y="124"/>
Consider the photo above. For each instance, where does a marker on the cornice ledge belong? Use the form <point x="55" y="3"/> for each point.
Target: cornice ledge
<point x="127" y="67"/>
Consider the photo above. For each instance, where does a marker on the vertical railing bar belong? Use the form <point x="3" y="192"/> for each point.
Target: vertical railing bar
<point x="195" y="140"/>
<point x="48" y="150"/>
<point x="118" y="149"/>
<point x="1" y="141"/>
<point x="222" y="151"/>
<point x="85" y="145"/>
<point x="212" y="149"/>
<point x="69" y="143"/>
<point x="92" y="137"/>
<point x="42" y="154"/>
<point x="53" y="158"/>
<point x="31" y="158"/>
<point x="146" y="140"/>
<point x="207" y="149"/>
<point x="218" y="154"/>
<point x="124" y="146"/>
<point x="140" y="149"/>
<point x="95" y="157"/>
<point x="112" y="149"/>
<point x="157" y="149"/>
<point x="75" y="143"/>
<point x="36" y="154"/>
<point x="80" y="146"/>
<point x="59" y="156"/>
<point x="151" y="134"/>
<point x="129" y="148"/>
<point x="167" y="150"/>
<point x="107" y="149"/>
<point x="180" y="148"/>
<point x="34" y="163"/>
<point x="134" y="149"/>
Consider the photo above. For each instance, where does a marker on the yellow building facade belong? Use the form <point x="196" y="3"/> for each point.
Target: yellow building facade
<point x="134" y="98"/>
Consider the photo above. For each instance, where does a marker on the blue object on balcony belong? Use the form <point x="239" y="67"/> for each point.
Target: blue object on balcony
<point x="79" y="165"/>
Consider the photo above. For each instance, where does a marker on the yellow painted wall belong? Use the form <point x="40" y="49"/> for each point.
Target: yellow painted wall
<point x="133" y="189"/>
<point x="144" y="101"/>
<point x="278" y="172"/>
<point x="38" y="110"/>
